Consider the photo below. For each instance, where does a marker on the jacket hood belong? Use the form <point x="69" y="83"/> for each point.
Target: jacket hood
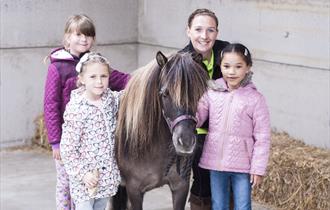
<point x="60" y="54"/>
<point x="221" y="85"/>
<point x="77" y="95"/>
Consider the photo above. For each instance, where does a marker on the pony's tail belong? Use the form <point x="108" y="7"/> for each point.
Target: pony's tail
<point x="119" y="201"/>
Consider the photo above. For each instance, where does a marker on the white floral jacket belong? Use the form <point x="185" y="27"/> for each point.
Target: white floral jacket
<point x="88" y="143"/>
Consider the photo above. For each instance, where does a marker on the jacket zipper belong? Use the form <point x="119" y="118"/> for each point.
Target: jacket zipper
<point x="226" y="125"/>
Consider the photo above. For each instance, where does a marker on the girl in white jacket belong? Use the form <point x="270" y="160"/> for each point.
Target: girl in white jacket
<point x="87" y="145"/>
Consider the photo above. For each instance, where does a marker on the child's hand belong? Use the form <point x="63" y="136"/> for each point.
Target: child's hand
<point x="57" y="154"/>
<point x="255" y="180"/>
<point x="90" y="180"/>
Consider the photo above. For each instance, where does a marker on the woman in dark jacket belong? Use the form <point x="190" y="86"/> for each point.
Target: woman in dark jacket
<point x="202" y="31"/>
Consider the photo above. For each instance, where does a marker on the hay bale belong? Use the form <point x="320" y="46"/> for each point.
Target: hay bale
<point x="298" y="176"/>
<point x="40" y="137"/>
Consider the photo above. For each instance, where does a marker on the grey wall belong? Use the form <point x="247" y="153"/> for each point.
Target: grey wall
<point x="30" y="29"/>
<point x="289" y="40"/>
<point x="290" y="43"/>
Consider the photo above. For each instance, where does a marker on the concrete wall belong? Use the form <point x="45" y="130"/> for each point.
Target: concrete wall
<point x="30" y="29"/>
<point x="289" y="40"/>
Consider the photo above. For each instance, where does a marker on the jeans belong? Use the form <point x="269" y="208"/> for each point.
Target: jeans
<point x="221" y="182"/>
<point x="93" y="204"/>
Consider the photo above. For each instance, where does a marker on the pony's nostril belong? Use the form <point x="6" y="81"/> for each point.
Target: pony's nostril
<point x="180" y="141"/>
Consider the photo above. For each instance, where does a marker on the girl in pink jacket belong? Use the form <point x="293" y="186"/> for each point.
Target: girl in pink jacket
<point x="237" y="146"/>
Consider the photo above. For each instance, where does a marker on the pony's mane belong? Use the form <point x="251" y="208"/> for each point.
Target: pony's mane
<point x="140" y="114"/>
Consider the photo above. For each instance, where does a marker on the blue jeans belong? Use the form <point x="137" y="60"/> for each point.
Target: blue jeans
<point x="93" y="204"/>
<point x="221" y="182"/>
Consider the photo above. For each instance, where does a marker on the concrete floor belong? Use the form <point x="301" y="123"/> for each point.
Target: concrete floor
<point x="28" y="183"/>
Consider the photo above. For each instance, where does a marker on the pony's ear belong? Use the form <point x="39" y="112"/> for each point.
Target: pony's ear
<point x="197" y="57"/>
<point x="161" y="59"/>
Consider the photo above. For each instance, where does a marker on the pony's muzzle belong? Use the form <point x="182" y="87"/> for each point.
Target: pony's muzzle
<point x="184" y="144"/>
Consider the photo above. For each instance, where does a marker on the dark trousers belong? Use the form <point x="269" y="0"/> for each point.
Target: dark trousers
<point x="200" y="192"/>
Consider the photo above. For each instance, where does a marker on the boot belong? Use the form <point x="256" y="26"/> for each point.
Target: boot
<point x="199" y="203"/>
<point x="194" y="206"/>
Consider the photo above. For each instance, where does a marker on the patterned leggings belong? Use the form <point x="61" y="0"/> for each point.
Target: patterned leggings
<point x="63" y="198"/>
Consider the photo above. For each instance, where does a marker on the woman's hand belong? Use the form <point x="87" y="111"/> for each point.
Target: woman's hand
<point x="255" y="180"/>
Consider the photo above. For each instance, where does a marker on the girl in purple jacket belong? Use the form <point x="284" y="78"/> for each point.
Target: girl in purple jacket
<point x="237" y="146"/>
<point x="79" y="37"/>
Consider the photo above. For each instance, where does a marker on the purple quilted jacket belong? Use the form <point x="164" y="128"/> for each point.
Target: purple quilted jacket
<point x="238" y="138"/>
<point x="60" y="81"/>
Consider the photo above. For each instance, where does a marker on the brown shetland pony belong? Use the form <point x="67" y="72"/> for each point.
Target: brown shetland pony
<point x="155" y="136"/>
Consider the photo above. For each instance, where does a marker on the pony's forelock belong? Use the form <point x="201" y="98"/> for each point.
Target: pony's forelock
<point x="190" y="83"/>
<point x="140" y="111"/>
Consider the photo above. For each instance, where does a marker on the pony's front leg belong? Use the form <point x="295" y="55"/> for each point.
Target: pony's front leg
<point x="119" y="201"/>
<point x="179" y="195"/>
<point x="135" y="196"/>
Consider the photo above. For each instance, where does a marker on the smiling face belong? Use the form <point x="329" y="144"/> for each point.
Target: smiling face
<point x="95" y="78"/>
<point x="203" y="33"/>
<point x="233" y="68"/>
<point x="79" y="43"/>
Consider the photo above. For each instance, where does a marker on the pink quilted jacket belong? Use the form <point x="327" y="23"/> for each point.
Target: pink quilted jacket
<point x="238" y="138"/>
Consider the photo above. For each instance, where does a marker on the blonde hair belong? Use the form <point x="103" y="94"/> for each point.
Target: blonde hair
<point x="78" y="23"/>
<point x="87" y="59"/>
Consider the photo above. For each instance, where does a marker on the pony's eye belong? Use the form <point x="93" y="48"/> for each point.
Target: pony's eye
<point x="163" y="93"/>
